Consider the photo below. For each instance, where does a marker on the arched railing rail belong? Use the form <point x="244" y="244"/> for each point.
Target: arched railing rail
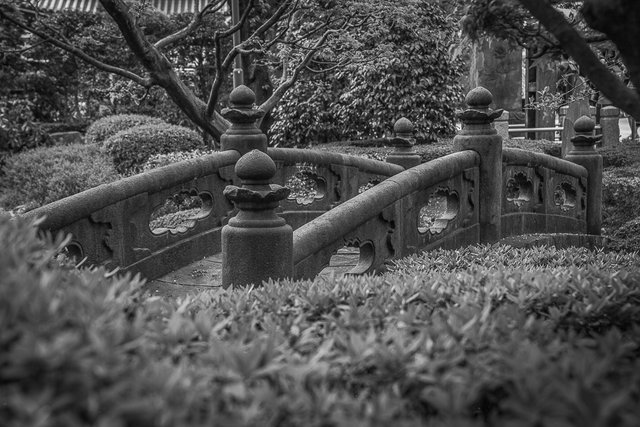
<point x="129" y="223"/>
<point x="542" y="194"/>
<point x="384" y="221"/>
<point x="321" y="180"/>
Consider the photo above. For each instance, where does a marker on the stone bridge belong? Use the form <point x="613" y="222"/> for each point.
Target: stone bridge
<point x="276" y="213"/>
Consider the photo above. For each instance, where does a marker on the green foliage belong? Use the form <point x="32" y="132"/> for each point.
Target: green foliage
<point x="498" y="345"/>
<point x="43" y="175"/>
<point x="18" y="130"/>
<point x="401" y="67"/>
<point x="620" y="195"/>
<point x="104" y="128"/>
<point x="131" y="148"/>
<point x="159" y="160"/>
<point x="621" y="155"/>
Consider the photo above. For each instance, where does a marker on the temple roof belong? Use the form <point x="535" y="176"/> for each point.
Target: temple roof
<point x="167" y="6"/>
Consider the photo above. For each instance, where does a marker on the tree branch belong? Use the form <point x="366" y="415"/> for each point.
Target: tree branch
<point x="210" y="8"/>
<point x="611" y="86"/>
<point x="146" y="82"/>
<point x="161" y="70"/>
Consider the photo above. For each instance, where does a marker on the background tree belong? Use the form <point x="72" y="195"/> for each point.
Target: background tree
<point x="541" y="25"/>
<point x="404" y="68"/>
<point x="268" y="23"/>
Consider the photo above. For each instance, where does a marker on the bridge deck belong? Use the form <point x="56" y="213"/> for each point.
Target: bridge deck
<point x="207" y="274"/>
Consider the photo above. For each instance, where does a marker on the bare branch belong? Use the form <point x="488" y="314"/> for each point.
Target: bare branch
<point x="210" y="8"/>
<point x="161" y="70"/>
<point x="146" y="82"/>
<point x="277" y="95"/>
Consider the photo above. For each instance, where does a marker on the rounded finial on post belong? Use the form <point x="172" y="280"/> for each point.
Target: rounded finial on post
<point x="242" y="97"/>
<point x="243" y="135"/>
<point x="403" y="128"/>
<point x="584" y="124"/>
<point x="479" y="98"/>
<point x="584" y="140"/>
<point x="255" y="167"/>
<point x="479" y="112"/>
<point x="403" y="141"/>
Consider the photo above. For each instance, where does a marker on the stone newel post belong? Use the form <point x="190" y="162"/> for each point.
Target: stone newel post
<point x="480" y="136"/>
<point x="584" y="154"/>
<point x="404" y="154"/>
<point x="243" y="135"/>
<point x="257" y="244"/>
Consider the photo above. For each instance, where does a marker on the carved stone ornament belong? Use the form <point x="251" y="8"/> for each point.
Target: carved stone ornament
<point x="478" y="100"/>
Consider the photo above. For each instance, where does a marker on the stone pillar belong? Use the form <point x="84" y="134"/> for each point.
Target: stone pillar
<point x="502" y="125"/>
<point x="243" y="134"/>
<point x="609" y="122"/>
<point x="257" y="244"/>
<point x="583" y="153"/>
<point x="403" y="142"/>
<point x="480" y="136"/>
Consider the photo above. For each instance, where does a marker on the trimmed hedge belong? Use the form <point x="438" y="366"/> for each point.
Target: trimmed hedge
<point x="159" y="160"/>
<point x="43" y="175"/>
<point x="131" y="148"/>
<point x="104" y="128"/>
<point x="542" y="345"/>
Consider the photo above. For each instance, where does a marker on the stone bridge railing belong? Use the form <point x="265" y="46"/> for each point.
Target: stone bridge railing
<point x="238" y="203"/>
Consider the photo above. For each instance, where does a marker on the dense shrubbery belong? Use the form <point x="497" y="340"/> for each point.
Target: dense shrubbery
<point x="413" y="75"/>
<point x="40" y="176"/>
<point x="106" y="127"/>
<point x="131" y="148"/>
<point x="520" y="344"/>
<point x="622" y="155"/>
<point x="18" y="130"/>
<point x="159" y="160"/>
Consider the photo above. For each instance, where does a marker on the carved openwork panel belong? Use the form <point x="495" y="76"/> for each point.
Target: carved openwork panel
<point x="442" y="207"/>
<point x="306" y="184"/>
<point x="446" y="208"/>
<point x="569" y="196"/>
<point x="180" y="212"/>
<point x="523" y="189"/>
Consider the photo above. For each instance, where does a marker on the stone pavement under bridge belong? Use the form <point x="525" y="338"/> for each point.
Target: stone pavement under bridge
<point x="207" y="274"/>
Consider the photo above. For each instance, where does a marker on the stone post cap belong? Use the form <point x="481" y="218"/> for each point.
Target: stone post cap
<point x="585" y="138"/>
<point x="403" y="130"/>
<point x="255" y="169"/>
<point x="242" y="107"/>
<point x="478" y="101"/>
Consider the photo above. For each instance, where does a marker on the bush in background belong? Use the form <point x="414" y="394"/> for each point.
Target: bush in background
<point x="159" y="160"/>
<point x="18" y="129"/>
<point x="41" y="176"/>
<point x="104" y="128"/>
<point x="130" y="149"/>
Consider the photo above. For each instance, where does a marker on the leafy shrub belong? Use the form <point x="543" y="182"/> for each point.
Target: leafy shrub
<point x="43" y="175"/>
<point x="398" y="65"/>
<point x="622" y="155"/>
<point x="106" y="127"/>
<point x="497" y="346"/>
<point x="18" y="130"/>
<point x="131" y="148"/>
<point x="159" y="160"/>
<point x="538" y="145"/>
<point x="620" y="196"/>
